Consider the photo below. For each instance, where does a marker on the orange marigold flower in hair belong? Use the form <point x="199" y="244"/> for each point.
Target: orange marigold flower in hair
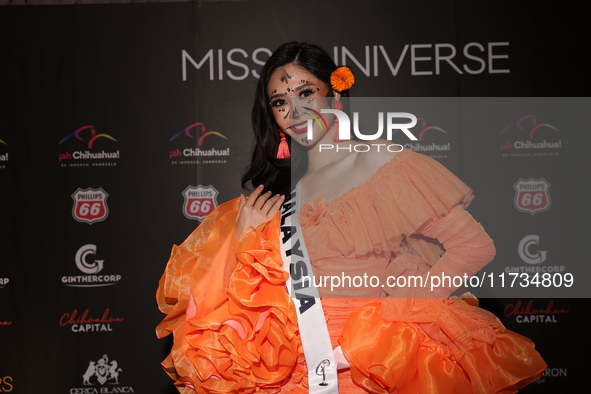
<point x="342" y="79"/>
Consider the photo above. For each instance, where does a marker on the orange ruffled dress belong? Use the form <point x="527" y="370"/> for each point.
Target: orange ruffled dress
<point x="235" y="328"/>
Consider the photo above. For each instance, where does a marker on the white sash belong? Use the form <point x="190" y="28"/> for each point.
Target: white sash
<point x="322" y="368"/>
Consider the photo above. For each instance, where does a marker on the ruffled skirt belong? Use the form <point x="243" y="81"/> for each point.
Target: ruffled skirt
<point x="428" y="346"/>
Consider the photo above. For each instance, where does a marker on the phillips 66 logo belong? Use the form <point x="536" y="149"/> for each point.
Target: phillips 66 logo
<point x="90" y="205"/>
<point x="200" y="201"/>
<point x="532" y="195"/>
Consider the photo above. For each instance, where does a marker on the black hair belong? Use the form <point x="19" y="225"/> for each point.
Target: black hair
<point x="281" y="175"/>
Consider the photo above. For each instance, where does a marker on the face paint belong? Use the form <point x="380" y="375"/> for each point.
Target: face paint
<point x="285" y="77"/>
<point x="296" y="97"/>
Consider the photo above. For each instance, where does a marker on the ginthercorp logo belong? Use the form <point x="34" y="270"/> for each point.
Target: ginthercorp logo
<point x="532" y="195"/>
<point x="199" y="201"/>
<point x="93" y="267"/>
<point x="102" y="377"/>
<point x="87" y="322"/>
<point x="527" y="137"/>
<point x="531" y="252"/>
<point x="81" y="149"/>
<point x="189" y="146"/>
<point x="90" y="205"/>
<point x="528" y="250"/>
<point x="90" y="265"/>
<point x="534" y="311"/>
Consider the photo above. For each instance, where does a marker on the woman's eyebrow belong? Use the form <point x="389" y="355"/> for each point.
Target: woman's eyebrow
<point x="305" y="85"/>
<point x="276" y="95"/>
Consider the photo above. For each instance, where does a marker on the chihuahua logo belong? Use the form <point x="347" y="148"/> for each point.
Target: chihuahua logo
<point x="103" y="370"/>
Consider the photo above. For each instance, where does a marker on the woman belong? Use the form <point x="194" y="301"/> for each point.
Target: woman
<point x="386" y="214"/>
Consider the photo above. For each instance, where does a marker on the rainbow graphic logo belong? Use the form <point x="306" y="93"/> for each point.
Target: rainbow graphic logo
<point x="426" y="128"/>
<point x="204" y="133"/>
<point x="318" y="118"/>
<point x="519" y="125"/>
<point x="432" y="141"/>
<point x="93" y="136"/>
<point x="530" y="138"/>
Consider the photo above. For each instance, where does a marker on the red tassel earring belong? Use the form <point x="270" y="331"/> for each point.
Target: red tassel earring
<point x="283" y="148"/>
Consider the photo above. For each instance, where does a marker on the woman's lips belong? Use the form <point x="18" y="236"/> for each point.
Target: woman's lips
<point x="300" y="128"/>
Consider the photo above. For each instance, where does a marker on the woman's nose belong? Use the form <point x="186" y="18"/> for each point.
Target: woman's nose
<point x="295" y="108"/>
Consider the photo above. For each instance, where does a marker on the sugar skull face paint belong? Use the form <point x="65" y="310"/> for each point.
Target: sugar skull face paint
<point x="296" y="96"/>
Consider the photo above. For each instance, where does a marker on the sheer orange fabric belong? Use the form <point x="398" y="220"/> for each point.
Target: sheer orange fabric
<point x="234" y="325"/>
<point x="235" y="328"/>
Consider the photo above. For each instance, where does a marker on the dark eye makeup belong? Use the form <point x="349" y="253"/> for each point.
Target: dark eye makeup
<point x="280" y="102"/>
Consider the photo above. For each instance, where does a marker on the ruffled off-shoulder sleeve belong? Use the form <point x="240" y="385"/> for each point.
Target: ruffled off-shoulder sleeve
<point x="234" y="326"/>
<point x="404" y="194"/>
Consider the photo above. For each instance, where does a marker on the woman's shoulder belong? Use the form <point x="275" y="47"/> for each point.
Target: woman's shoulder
<point x="370" y="158"/>
<point x="399" y="175"/>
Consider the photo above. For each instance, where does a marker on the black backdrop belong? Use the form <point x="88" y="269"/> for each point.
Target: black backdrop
<point x="98" y="179"/>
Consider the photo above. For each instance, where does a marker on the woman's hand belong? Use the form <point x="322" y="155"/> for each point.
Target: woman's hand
<point x="257" y="209"/>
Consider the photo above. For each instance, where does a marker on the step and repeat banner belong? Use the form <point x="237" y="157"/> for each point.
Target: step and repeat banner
<point x="123" y="125"/>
